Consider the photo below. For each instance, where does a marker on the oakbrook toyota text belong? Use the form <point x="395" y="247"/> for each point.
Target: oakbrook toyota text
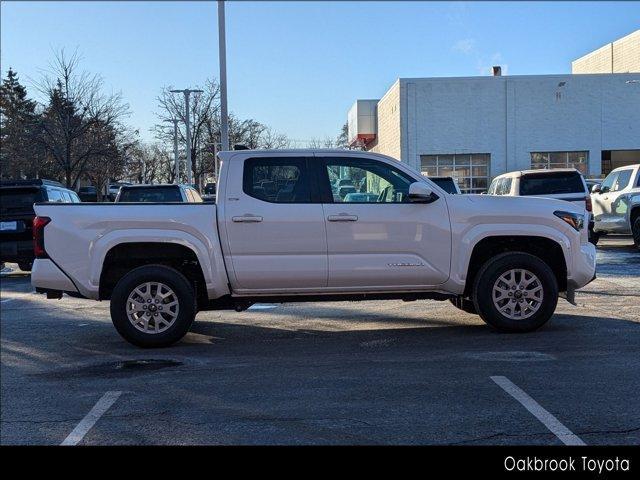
<point x="568" y="464"/>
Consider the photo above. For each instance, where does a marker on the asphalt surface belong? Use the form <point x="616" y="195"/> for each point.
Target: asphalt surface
<point x="385" y="372"/>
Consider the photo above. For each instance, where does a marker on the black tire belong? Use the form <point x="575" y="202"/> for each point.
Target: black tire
<point x="153" y="273"/>
<point x="594" y="237"/>
<point x="25" y="266"/>
<point x="464" y="304"/>
<point x="489" y="274"/>
<point x="635" y="229"/>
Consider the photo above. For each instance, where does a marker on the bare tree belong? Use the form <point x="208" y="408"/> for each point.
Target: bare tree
<point x="272" y="140"/>
<point x="203" y="107"/>
<point x="78" y="117"/>
<point x="327" y="142"/>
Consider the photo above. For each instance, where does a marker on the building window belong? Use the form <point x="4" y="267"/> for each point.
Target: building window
<point x="577" y="160"/>
<point x="471" y="171"/>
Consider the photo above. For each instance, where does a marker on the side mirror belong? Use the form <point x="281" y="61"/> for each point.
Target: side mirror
<point x="421" y="193"/>
<point x="596" y="188"/>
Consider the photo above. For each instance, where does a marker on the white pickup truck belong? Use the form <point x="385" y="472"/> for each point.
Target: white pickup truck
<point x="283" y="231"/>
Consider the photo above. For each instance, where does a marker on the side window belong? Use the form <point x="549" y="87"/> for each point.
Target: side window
<point x="66" y="195"/>
<point x="74" y="197"/>
<point x="188" y="195"/>
<point x="55" y="195"/>
<point x="502" y="186"/>
<point x="366" y="181"/>
<point x="493" y="187"/>
<point x="277" y="180"/>
<point x="608" y="182"/>
<point x="638" y="179"/>
<point x="506" y="189"/>
<point x="624" y="176"/>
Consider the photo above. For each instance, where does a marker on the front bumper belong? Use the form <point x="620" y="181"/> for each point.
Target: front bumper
<point x="583" y="268"/>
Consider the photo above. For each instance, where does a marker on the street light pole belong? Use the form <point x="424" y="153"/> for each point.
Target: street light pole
<point x="187" y="118"/>
<point x="222" y="48"/>
<point x="176" y="158"/>
<point x="188" y="122"/>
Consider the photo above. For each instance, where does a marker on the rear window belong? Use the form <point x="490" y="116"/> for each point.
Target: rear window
<point x="277" y="180"/>
<point x="551" y="183"/>
<point x="19" y="200"/>
<point x="155" y="194"/>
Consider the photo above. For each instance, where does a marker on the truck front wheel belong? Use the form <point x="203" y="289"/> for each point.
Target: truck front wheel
<point x="515" y="292"/>
<point x="635" y="229"/>
<point x="153" y="306"/>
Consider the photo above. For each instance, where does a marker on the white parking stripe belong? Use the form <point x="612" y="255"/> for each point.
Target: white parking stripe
<point x="91" y="418"/>
<point x="7" y="300"/>
<point x="261" y="306"/>
<point x="565" y="435"/>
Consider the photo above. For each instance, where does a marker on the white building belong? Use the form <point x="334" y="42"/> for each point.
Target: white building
<point x="475" y="128"/>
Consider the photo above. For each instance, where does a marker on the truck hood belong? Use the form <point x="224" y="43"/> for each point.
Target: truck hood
<point x="531" y="204"/>
<point x="495" y="209"/>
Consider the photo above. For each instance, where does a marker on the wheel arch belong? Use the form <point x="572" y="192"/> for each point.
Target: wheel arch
<point x="547" y="249"/>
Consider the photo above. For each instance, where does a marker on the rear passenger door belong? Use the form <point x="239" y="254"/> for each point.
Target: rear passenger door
<point x="274" y="225"/>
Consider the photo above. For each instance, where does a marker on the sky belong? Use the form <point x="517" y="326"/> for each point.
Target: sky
<point x="299" y="66"/>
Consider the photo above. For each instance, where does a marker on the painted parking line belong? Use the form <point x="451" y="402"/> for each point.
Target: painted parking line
<point x="91" y="418"/>
<point x="262" y="306"/>
<point x="7" y="300"/>
<point x="556" y="427"/>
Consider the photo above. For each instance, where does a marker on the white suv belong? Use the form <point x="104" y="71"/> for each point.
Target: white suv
<point x="616" y="203"/>
<point x="565" y="184"/>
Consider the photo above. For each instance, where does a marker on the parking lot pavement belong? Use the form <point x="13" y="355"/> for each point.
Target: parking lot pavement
<point x="385" y="372"/>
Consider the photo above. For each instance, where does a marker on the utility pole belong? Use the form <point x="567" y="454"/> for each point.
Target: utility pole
<point x="187" y="92"/>
<point x="222" y="48"/>
<point x="176" y="158"/>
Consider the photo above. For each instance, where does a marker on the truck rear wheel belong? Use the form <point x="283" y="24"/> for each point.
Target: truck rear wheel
<point x="515" y="292"/>
<point x="153" y="306"/>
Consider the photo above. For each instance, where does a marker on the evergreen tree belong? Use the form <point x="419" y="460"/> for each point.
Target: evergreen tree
<point x="19" y="156"/>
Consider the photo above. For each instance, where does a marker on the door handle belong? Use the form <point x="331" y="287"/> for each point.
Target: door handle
<point x="342" y="217"/>
<point x="247" y="218"/>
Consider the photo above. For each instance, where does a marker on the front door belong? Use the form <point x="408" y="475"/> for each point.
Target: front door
<point x="609" y="212"/>
<point x="376" y="238"/>
<point x="276" y="235"/>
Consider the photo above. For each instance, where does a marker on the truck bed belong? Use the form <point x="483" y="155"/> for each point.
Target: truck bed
<point x="79" y="235"/>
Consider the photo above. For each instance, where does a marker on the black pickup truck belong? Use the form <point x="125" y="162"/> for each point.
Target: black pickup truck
<point x="16" y="215"/>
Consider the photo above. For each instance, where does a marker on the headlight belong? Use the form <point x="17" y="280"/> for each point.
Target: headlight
<point x="573" y="219"/>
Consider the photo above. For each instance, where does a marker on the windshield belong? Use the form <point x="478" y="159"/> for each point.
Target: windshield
<point x="551" y="183"/>
<point x="150" y="194"/>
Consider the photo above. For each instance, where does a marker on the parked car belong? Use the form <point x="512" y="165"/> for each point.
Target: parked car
<point x="448" y="184"/>
<point x="113" y="189"/>
<point x="616" y="203"/>
<point x="161" y="193"/>
<point x="16" y="215"/>
<point x="505" y="258"/>
<point x="361" y="197"/>
<point x="562" y="183"/>
<point x="88" y="194"/>
<point x="592" y="182"/>
<point x="209" y="193"/>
